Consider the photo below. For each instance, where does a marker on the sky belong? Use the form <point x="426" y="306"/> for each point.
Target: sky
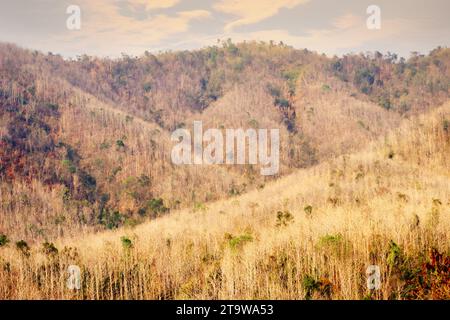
<point x="112" y="27"/>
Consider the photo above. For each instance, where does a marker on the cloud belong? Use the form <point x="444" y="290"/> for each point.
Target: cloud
<point x="154" y="4"/>
<point x="105" y="29"/>
<point x="110" y="27"/>
<point x="346" y="21"/>
<point x="251" y="11"/>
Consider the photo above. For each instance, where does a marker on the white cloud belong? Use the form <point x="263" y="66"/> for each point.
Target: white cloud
<point x="105" y="30"/>
<point x="154" y="4"/>
<point x="251" y="11"/>
<point x="346" y="21"/>
<point x="110" y="27"/>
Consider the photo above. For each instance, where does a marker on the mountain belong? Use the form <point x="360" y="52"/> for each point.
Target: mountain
<point x="86" y="175"/>
<point x="86" y="142"/>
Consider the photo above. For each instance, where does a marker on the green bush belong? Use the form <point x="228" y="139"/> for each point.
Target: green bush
<point x="394" y="255"/>
<point x="310" y="285"/>
<point x="147" y="87"/>
<point x="385" y="102"/>
<point x="334" y="244"/>
<point x="282" y="103"/>
<point x="156" y="205"/>
<point x="291" y="75"/>
<point x="49" y="249"/>
<point x="284" y="218"/>
<point x="104" y="146"/>
<point x="111" y="220"/>
<point x="3" y="240"/>
<point x="23" y="248"/>
<point x="326" y="88"/>
<point x="126" y="243"/>
<point x="120" y="143"/>
<point x="331" y="240"/>
<point x="238" y="241"/>
<point x="322" y="287"/>
<point x="446" y="125"/>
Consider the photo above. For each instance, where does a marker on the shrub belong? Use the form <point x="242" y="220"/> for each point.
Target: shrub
<point x="402" y="197"/>
<point x="364" y="77"/>
<point x="23" y="248"/>
<point x="385" y="102"/>
<point x="431" y="280"/>
<point x="362" y="125"/>
<point x="308" y="210"/>
<point x="198" y="206"/>
<point x="49" y="249"/>
<point x="238" y="241"/>
<point x="144" y="180"/>
<point x="359" y="176"/>
<point x="87" y="180"/>
<point x="331" y="240"/>
<point x="114" y="172"/>
<point x="291" y="77"/>
<point x="126" y="243"/>
<point x="310" y="285"/>
<point x="156" y="205"/>
<point x="65" y="194"/>
<point x="234" y="191"/>
<point x="337" y="66"/>
<point x="394" y="255"/>
<point x="446" y="125"/>
<point x="3" y="240"/>
<point x="104" y="145"/>
<point x="120" y="143"/>
<point x="111" y="220"/>
<point x="231" y="47"/>
<point x="147" y="87"/>
<point x="284" y="218"/>
<point x="282" y="103"/>
<point x="274" y="91"/>
<point x="326" y="88"/>
<point x="53" y="107"/>
<point x="323" y="287"/>
<point x="335" y="244"/>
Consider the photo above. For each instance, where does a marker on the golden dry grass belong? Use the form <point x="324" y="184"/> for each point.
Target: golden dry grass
<point x="345" y="213"/>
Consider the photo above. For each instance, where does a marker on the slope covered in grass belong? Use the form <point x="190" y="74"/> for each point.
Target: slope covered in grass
<point x="311" y="234"/>
<point x="85" y="143"/>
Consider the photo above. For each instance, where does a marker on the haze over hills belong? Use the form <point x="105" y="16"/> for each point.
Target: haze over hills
<point x="85" y="147"/>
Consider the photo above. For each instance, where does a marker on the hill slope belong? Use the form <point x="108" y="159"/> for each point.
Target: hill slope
<point x="85" y="143"/>
<point x="309" y="235"/>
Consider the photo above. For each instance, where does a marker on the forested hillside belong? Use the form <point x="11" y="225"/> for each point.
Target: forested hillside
<point x="85" y="143"/>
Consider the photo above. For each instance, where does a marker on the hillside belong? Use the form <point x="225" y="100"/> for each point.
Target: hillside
<point x="85" y="143"/>
<point x="311" y="234"/>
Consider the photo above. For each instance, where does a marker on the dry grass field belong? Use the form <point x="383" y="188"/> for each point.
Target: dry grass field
<point x="308" y="235"/>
